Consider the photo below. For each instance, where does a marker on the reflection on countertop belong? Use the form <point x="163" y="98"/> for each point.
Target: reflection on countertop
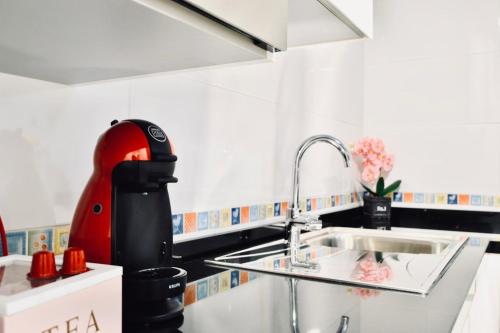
<point x="242" y="301"/>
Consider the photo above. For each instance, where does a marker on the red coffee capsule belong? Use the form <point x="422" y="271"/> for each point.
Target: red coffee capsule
<point x="74" y="262"/>
<point x="43" y="266"/>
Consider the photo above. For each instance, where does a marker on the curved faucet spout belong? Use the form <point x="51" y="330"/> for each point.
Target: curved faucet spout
<point x="294" y="210"/>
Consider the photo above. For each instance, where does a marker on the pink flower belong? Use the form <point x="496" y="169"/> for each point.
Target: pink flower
<point x="370" y="174"/>
<point x="363" y="147"/>
<point x="369" y="270"/>
<point x="388" y="162"/>
<point x="374" y="160"/>
<point x="377" y="145"/>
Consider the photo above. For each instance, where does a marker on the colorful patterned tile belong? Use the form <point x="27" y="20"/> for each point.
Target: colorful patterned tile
<point x="254" y="213"/>
<point x="397" y="197"/>
<point x="441" y="199"/>
<point x="245" y="214"/>
<point x="338" y="200"/>
<point x="320" y="204"/>
<point x="61" y="239"/>
<point x="284" y="208"/>
<point x="328" y="202"/>
<point x="452" y="199"/>
<point x="308" y="205"/>
<point x="408" y="197"/>
<point x="418" y="198"/>
<point x="302" y="205"/>
<point x="202" y="221"/>
<point x="276" y="263"/>
<point x="40" y="239"/>
<point x="16" y="242"/>
<point x="488" y="200"/>
<point x="224" y="281"/>
<point x="277" y="209"/>
<point x="352" y="197"/>
<point x="497" y="200"/>
<point x="201" y="289"/>
<point x="225" y="217"/>
<point x="252" y="276"/>
<point x="269" y="211"/>
<point x="314" y="204"/>
<point x="243" y="277"/>
<point x="475" y="200"/>
<point x="213" y="285"/>
<point x="177" y="224"/>
<point x="430" y="198"/>
<point x="190" y="294"/>
<point x="189" y="222"/>
<point x="262" y="212"/>
<point x="235" y="279"/>
<point x="333" y="200"/>
<point x="463" y="199"/>
<point x="213" y="219"/>
<point x="235" y="215"/>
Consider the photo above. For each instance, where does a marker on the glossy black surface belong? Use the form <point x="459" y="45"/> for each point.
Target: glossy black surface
<point x="385" y="311"/>
<point x="265" y="304"/>
<point x="493" y="247"/>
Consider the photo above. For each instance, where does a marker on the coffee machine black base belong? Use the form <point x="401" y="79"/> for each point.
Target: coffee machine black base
<point x="153" y="294"/>
<point x="152" y="312"/>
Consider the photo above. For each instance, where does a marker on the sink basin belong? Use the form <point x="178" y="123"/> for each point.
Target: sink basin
<point x="350" y="241"/>
<point x="402" y="261"/>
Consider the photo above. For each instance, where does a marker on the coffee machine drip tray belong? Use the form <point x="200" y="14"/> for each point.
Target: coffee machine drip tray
<point x="154" y="294"/>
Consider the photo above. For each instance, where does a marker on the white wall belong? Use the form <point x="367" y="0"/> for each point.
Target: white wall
<point x="235" y="130"/>
<point x="432" y="91"/>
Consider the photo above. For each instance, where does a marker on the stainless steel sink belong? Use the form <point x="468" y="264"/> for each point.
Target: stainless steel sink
<point x="350" y="241"/>
<point x="410" y="262"/>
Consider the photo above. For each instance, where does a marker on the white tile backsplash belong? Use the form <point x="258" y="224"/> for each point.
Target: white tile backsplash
<point x="427" y="83"/>
<point x="234" y="128"/>
<point x="432" y="77"/>
<point x="407" y="29"/>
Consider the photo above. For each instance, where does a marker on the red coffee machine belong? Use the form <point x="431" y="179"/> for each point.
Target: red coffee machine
<point x="124" y="218"/>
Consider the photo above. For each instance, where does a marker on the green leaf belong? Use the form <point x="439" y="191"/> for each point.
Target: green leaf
<point x="391" y="188"/>
<point x="380" y="187"/>
<point x="368" y="189"/>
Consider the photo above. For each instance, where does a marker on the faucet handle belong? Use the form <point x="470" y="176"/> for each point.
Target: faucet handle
<point x="309" y="221"/>
<point x="313" y="224"/>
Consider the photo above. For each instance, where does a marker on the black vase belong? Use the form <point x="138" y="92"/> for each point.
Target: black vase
<point x="376" y="212"/>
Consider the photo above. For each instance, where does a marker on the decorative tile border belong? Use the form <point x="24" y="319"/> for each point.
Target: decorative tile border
<point x="33" y="240"/>
<point x="454" y="201"/>
<point x="193" y="222"/>
<point x="193" y="225"/>
<point x="216" y="284"/>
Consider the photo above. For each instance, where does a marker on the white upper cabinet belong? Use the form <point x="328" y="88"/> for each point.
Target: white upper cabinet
<point x="75" y="41"/>
<point x="320" y="21"/>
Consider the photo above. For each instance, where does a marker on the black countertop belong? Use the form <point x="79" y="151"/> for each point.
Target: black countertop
<point x="250" y="302"/>
<point x="264" y="304"/>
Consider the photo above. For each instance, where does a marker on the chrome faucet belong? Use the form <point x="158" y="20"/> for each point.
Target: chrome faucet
<point x="295" y="220"/>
